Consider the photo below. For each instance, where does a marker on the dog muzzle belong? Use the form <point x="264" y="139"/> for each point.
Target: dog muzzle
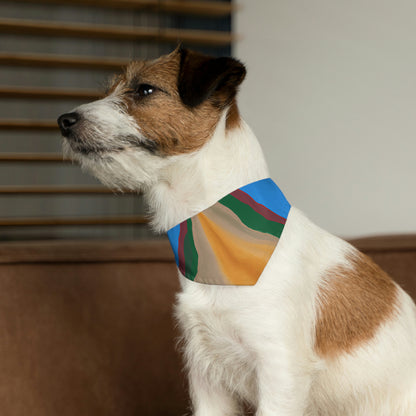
<point x="231" y="242"/>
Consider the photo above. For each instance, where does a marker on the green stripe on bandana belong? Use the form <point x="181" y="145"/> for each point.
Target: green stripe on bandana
<point x="251" y="218"/>
<point x="191" y="254"/>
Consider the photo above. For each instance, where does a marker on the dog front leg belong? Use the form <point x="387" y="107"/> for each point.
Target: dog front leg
<point x="282" y="388"/>
<point x="209" y="399"/>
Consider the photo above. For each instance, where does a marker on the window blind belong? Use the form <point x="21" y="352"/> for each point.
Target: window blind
<point x="56" y="55"/>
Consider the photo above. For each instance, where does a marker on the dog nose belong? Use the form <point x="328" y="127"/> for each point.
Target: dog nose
<point x="67" y="121"/>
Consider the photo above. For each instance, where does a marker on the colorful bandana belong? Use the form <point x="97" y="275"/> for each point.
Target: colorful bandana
<point x="231" y="242"/>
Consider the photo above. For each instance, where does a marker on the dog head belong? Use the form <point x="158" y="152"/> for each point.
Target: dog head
<point x="153" y="112"/>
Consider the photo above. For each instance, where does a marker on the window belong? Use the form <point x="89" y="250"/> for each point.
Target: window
<point x="55" y="55"/>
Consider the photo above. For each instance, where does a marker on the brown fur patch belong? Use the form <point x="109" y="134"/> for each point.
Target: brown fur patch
<point x="233" y="116"/>
<point x="354" y="302"/>
<point x="162" y="117"/>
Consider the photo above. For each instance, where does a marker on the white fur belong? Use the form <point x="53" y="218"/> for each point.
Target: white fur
<point x="256" y="343"/>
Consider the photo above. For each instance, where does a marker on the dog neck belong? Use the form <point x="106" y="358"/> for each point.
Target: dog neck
<point x="191" y="183"/>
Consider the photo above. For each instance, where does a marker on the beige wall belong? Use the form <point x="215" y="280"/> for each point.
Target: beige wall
<point x="331" y="95"/>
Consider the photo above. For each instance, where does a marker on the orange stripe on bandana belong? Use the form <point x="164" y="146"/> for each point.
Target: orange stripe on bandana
<point x="240" y="260"/>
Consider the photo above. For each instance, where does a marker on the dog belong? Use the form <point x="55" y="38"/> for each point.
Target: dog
<point x="317" y="328"/>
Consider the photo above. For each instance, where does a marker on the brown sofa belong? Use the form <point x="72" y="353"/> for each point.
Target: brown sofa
<point x="86" y="328"/>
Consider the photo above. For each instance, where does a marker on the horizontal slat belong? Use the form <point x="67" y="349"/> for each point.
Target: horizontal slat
<point x="32" y="157"/>
<point x="28" y="125"/>
<point x="61" y="29"/>
<point x="58" y="190"/>
<point x="48" y="93"/>
<point x="67" y="221"/>
<point x="203" y="8"/>
<point x="55" y="61"/>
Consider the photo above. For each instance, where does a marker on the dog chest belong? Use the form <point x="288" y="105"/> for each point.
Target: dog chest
<point x="214" y="343"/>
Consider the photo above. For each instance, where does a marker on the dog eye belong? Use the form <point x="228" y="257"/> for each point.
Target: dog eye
<point x="143" y="90"/>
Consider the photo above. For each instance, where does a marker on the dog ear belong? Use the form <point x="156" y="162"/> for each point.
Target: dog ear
<point x="202" y="77"/>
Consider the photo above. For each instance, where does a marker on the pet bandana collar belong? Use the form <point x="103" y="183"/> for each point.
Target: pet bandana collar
<point x="231" y="242"/>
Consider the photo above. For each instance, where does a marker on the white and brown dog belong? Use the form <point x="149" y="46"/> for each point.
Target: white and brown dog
<point x="323" y="331"/>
